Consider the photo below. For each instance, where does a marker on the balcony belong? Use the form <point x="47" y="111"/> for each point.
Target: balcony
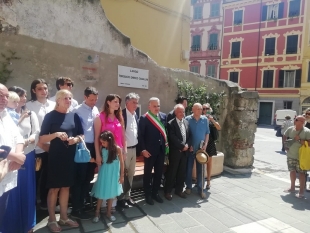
<point x="212" y="47"/>
<point x="195" y="48"/>
<point x="212" y="52"/>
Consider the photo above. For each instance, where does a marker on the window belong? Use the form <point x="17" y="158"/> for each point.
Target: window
<point x="294" y="8"/>
<point x="215" y="10"/>
<point x="238" y="15"/>
<point x="268" y="79"/>
<point x="290" y="78"/>
<point x="234" y="77"/>
<point x="196" y="43"/>
<point x="274" y="11"/>
<point x="270" y="46"/>
<point x="211" y="70"/>
<point x="198" y="12"/>
<point x="292" y="44"/>
<point x="213" y="41"/>
<point x="195" y="69"/>
<point x="235" y="49"/>
<point x="308" y="71"/>
<point x="287" y="104"/>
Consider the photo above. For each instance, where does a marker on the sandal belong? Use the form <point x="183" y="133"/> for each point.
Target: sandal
<point x="208" y="185"/>
<point x="300" y="196"/>
<point x="69" y="222"/>
<point x="289" y="191"/>
<point x="53" y="227"/>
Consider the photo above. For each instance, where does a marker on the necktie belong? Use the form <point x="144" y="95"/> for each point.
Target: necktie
<point x="182" y="128"/>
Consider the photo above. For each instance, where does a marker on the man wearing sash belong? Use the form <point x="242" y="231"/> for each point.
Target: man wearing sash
<point x="153" y="143"/>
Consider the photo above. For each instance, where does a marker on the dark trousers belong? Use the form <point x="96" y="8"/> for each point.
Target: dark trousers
<point x="84" y="174"/>
<point x="156" y="162"/>
<point x="176" y="172"/>
<point x="3" y="204"/>
<point x="41" y="177"/>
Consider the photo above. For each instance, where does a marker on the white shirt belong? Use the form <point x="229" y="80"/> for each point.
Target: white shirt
<point x="40" y="110"/>
<point x="131" y="132"/>
<point x="74" y="103"/>
<point x="9" y="136"/>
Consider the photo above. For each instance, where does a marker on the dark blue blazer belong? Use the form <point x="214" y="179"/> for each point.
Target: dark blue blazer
<point x="149" y="137"/>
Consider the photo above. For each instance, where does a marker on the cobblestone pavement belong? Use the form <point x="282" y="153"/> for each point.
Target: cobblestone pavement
<point x="235" y="203"/>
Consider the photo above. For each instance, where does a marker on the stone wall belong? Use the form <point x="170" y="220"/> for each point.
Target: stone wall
<point x="54" y="35"/>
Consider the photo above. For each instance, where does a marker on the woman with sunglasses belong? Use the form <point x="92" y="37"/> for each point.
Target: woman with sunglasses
<point x="211" y="147"/>
<point x="63" y="130"/>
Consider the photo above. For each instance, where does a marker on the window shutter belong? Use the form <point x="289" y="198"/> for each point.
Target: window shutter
<point x="265" y="78"/>
<point x="298" y="78"/>
<point x="213" y="40"/>
<point x="235" y="49"/>
<point x="309" y="72"/>
<point x="281" y="10"/>
<point x="281" y="78"/>
<point x="294" y="9"/>
<point x="264" y="13"/>
<point x="292" y="44"/>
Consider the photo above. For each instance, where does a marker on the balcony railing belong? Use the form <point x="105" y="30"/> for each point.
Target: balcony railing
<point x="195" y="48"/>
<point x="212" y="47"/>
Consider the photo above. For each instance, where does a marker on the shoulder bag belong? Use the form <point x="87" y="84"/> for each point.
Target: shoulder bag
<point x="82" y="154"/>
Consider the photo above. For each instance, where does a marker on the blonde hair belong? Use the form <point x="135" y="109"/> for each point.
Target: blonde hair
<point x="60" y="94"/>
<point x="13" y="96"/>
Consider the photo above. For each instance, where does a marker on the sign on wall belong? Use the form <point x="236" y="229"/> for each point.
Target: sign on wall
<point x="133" y="77"/>
<point x="89" y="67"/>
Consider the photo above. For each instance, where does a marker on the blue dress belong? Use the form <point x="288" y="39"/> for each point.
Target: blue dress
<point x="20" y="216"/>
<point x="107" y="185"/>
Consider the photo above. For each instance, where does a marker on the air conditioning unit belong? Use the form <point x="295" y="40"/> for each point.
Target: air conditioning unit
<point x="185" y="54"/>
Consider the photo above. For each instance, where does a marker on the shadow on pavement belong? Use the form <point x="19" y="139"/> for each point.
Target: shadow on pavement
<point x="297" y="204"/>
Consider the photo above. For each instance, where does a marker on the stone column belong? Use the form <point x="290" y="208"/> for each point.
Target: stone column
<point x="238" y="129"/>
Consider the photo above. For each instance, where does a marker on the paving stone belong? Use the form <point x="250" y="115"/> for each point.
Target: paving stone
<point x="133" y="213"/>
<point x="144" y="225"/>
<point x="184" y="220"/>
<point x="199" y="229"/>
<point x="290" y="230"/>
<point x="121" y="227"/>
<point x="225" y="218"/>
<point x="209" y="222"/>
<point x="241" y="216"/>
<point x="89" y="226"/>
<point x="304" y="227"/>
<point x="171" y="228"/>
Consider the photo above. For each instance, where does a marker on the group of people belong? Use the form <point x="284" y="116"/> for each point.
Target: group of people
<point x="40" y="138"/>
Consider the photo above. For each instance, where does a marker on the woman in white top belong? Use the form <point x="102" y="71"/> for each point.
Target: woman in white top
<point x="22" y="199"/>
<point x="285" y="125"/>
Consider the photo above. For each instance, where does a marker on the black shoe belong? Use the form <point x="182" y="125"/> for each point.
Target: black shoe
<point x="122" y="204"/>
<point x="130" y="202"/>
<point x="149" y="200"/>
<point x="80" y="215"/>
<point x="157" y="198"/>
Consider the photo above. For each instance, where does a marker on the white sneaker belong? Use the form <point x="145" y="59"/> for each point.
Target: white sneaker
<point x="57" y="209"/>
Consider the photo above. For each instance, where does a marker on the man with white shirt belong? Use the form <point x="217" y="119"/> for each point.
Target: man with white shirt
<point x="40" y="105"/>
<point x="9" y="136"/>
<point x="131" y="133"/>
<point x="67" y="84"/>
<point x="84" y="172"/>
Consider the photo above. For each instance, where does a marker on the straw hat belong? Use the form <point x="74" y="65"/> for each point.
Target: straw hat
<point x="202" y="156"/>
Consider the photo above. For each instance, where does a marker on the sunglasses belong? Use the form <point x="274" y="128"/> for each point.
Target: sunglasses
<point x="69" y="84"/>
<point x="307" y="114"/>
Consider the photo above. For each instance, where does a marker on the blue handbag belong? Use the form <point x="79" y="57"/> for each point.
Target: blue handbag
<point x="82" y="154"/>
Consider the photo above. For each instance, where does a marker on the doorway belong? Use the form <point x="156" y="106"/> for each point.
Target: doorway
<point x="265" y="113"/>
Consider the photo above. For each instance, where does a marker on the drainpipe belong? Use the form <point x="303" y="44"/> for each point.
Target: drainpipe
<point x="222" y="36"/>
<point x="258" y="46"/>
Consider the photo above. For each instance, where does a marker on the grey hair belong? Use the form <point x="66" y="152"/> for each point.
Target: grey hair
<point x="154" y="99"/>
<point x="178" y="106"/>
<point x="132" y="95"/>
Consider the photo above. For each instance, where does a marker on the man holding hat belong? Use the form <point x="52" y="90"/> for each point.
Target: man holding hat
<point x="199" y="131"/>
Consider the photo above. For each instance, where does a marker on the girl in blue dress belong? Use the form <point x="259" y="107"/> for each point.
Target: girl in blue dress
<point x="110" y="176"/>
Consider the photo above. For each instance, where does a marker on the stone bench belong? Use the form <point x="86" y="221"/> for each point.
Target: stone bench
<point x="217" y="165"/>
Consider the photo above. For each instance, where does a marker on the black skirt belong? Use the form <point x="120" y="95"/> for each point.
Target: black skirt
<point x="211" y="147"/>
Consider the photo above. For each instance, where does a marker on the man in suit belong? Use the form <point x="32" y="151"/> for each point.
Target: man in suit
<point x="180" y="100"/>
<point x="131" y="133"/>
<point x="178" y="136"/>
<point x="153" y="144"/>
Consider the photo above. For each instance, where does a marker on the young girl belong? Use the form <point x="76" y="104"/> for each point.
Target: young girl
<point x="111" y="174"/>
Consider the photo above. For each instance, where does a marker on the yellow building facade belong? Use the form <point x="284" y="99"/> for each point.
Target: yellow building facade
<point x="305" y="79"/>
<point x="159" y="28"/>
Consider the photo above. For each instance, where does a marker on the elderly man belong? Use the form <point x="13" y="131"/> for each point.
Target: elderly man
<point x="199" y="130"/>
<point x="300" y="134"/>
<point x="10" y="137"/>
<point x="153" y="143"/>
<point x="180" y="100"/>
<point x="178" y="136"/>
<point x="131" y="133"/>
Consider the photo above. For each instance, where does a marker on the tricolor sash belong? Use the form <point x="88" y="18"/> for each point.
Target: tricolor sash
<point x="157" y="123"/>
